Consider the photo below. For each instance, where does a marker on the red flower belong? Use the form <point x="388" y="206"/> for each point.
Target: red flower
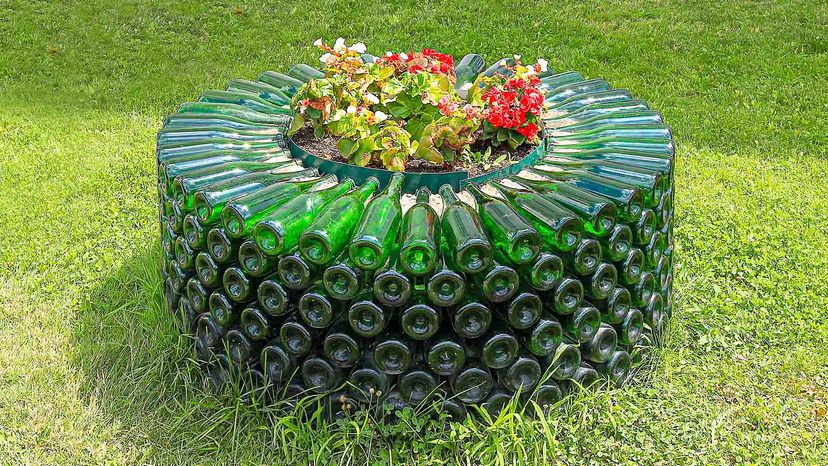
<point x="529" y="131"/>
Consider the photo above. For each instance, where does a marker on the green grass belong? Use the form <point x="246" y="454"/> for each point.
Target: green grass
<point x="92" y="370"/>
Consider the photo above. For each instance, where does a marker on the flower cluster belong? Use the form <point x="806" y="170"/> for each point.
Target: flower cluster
<point x="404" y="105"/>
<point x="514" y="104"/>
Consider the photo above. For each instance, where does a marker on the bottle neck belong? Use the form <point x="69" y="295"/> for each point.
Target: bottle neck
<point x="448" y="194"/>
<point x="366" y="190"/>
<point x="394" y="188"/>
<point x="507" y="191"/>
<point x="423" y="195"/>
<point x="479" y="196"/>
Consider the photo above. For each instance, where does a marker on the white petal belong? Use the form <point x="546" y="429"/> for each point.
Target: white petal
<point x="517" y="57"/>
<point x="352" y="109"/>
<point x="380" y="116"/>
<point x="388" y="53"/>
<point x="324" y="58"/>
<point x="359" y="47"/>
<point x="403" y="56"/>
<point x="339" y="45"/>
<point x="543" y="64"/>
<point x="318" y="42"/>
<point x="371" y="98"/>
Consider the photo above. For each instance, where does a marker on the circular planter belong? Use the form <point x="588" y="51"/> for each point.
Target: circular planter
<point x="571" y="297"/>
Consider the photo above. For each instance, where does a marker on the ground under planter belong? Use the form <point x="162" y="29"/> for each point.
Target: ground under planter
<point x="469" y="323"/>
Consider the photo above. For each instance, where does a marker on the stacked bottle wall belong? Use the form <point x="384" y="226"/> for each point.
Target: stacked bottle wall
<point x="551" y="279"/>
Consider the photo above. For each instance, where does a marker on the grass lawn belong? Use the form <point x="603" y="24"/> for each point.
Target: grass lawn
<point x="92" y="370"/>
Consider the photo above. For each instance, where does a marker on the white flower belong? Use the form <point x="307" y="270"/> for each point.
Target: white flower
<point x="403" y="56"/>
<point x="502" y="62"/>
<point x="318" y="42"/>
<point x="359" y="47"/>
<point x="371" y="98"/>
<point x="324" y="58"/>
<point x="380" y="116"/>
<point x="388" y="53"/>
<point x="517" y="57"/>
<point x="352" y="109"/>
<point x="337" y="115"/>
<point x="530" y="71"/>
<point x="543" y="64"/>
<point x="339" y="45"/>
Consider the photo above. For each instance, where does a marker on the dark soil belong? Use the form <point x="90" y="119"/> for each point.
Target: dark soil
<point x="325" y="148"/>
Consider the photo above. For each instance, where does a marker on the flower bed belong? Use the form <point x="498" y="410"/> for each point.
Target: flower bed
<point x="300" y="273"/>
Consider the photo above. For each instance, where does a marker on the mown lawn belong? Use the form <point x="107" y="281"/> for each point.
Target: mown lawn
<point x="92" y="370"/>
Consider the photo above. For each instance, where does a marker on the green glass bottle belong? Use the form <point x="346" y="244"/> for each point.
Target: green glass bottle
<point x="563" y="362"/>
<point x="561" y="93"/>
<point x="419" y="254"/>
<point x="286" y="84"/>
<point x="253" y="262"/>
<point x="274" y="297"/>
<point x="445" y="353"/>
<point x="634" y="118"/>
<point x="598" y="213"/>
<point x="179" y="277"/>
<point x="617" y="244"/>
<point x="446" y="287"/>
<point x="257" y="325"/>
<point x="497" y="400"/>
<point x="197" y="295"/>
<point x="297" y="338"/>
<point x="630" y="268"/>
<point x="467" y="243"/>
<point x="317" y="309"/>
<point x="320" y="375"/>
<point x="544" y="274"/>
<point x="278" y="365"/>
<point x="582" y="324"/>
<point x="615" y="308"/>
<point x="263" y="90"/>
<point x="343" y="280"/>
<point x="221" y="248"/>
<point x="175" y="216"/>
<point x="601" y="346"/>
<point x="473" y="382"/>
<point x="663" y="269"/>
<point x="584" y="377"/>
<point x="378" y="227"/>
<point x="548" y="83"/>
<point x="643" y="289"/>
<point x="183" y="136"/>
<point x="523" y="375"/>
<point x="652" y="183"/>
<point x="542" y="338"/>
<point x="194" y="232"/>
<point x="452" y="408"/>
<point x="664" y="209"/>
<point x="330" y="232"/>
<point x="472" y="319"/>
<point x="190" y="120"/>
<point x="499" y="284"/>
<point x="420" y="321"/>
<point x="208" y="332"/>
<point x="654" y="249"/>
<point x="600" y="284"/>
<point x="239" y="286"/>
<point x="417" y="384"/>
<point x="393" y="353"/>
<point x="645" y="227"/>
<point x="240" y="215"/>
<point x="208" y="271"/>
<point x="304" y="72"/>
<point x="205" y="147"/>
<point x="523" y="311"/>
<point x="638" y="132"/>
<point x="631" y="328"/>
<point x="279" y="230"/>
<point x="209" y="202"/>
<point x="341" y="345"/>
<point x="585" y="259"/>
<point x="578" y="101"/>
<point x="567" y="296"/>
<point x="547" y="397"/>
<point x="245" y="99"/>
<point x="391" y="287"/>
<point x="655" y="147"/>
<point x="241" y="350"/>
<point x="184" y="187"/>
<point x="224" y="311"/>
<point x="629" y="200"/>
<point x="366" y="317"/>
<point x="234" y="110"/>
<point x="499" y="347"/>
<point x="186" y="317"/>
<point x="466" y="72"/>
<point x="296" y="273"/>
<point x="654" y="311"/>
<point x="616" y="368"/>
<point x="590" y="110"/>
<point x="559" y="227"/>
<point x="510" y="233"/>
<point x="622" y="156"/>
<point x="367" y="382"/>
<point x="185" y="255"/>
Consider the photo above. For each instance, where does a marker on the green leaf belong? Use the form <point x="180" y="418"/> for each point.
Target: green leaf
<point x="318" y="131"/>
<point x="502" y="134"/>
<point x="297" y="124"/>
<point x="347" y="146"/>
